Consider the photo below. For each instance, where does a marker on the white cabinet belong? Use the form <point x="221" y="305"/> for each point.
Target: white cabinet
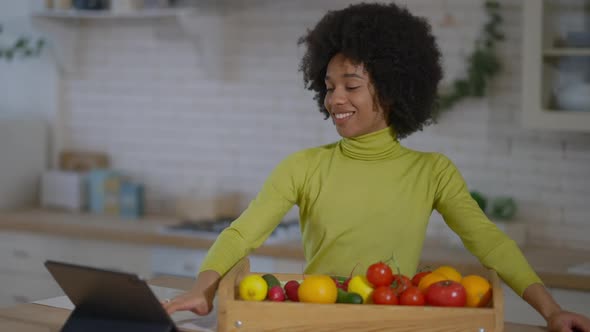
<point x="516" y="310"/>
<point x="176" y="261"/>
<point x="113" y="256"/>
<point x="186" y="262"/>
<point x="556" y="65"/>
<point x="24" y="277"/>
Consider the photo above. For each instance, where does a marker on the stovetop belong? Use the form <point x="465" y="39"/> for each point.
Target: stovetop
<point x="286" y="230"/>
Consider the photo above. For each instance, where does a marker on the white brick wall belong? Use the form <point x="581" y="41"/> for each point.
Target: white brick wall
<point x="181" y="111"/>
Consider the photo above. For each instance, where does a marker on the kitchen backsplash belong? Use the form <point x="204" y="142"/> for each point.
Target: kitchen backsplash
<point x="216" y="109"/>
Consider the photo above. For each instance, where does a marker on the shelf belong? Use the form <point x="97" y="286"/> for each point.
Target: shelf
<point x="63" y="28"/>
<point x="561" y="120"/>
<point x="539" y="72"/>
<point x="106" y="14"/>
<point x="556" y="52"/>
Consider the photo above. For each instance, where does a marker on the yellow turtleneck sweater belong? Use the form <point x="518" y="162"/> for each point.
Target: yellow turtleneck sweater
<point x="362" y="200"/>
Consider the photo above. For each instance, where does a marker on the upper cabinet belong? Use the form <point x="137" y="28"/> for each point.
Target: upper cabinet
<point x="556" y="64"/>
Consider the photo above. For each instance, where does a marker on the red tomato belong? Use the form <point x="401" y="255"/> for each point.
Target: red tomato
<point x="379" y="274"/>
<point x="384" y="295"/>
<point x="400" y="283"/>
<point x="446" y="293"/>
<point x="412" y="296"/>
<point x="418" y="276"/>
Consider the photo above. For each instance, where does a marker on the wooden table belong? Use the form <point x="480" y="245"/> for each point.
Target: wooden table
<point x="38" y="318"/>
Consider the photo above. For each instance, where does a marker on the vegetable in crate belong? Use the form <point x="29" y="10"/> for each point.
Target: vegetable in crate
<point x="341" y="282"/>
<point x="276" y="294"/>
<point x="271" y="280"/>
<point x="384" y="295"/>
<point x="479" y="290"/>
<point x="449" y="272"/>
<point x="291" y="289"/>
<point x="418" y="276"/>
<point x="348" y="297"/>
<point x="318" y="289"/>
<point x="412" y="296"/>
<point x="360" y="285"/>
<point x="446" y="293"/>
<point x="379" y="274"/>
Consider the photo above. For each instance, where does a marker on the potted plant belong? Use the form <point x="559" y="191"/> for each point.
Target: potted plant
<point x="23" y="47"/>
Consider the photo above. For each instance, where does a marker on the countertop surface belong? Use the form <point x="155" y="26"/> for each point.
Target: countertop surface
<point x="550" y="263"/>
<point x="39" y="318"/>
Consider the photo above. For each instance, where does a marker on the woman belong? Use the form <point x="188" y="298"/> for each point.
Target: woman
<point x="374" y="69"/>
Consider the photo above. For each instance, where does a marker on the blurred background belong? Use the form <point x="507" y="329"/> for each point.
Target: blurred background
<point x="173" y="113"/>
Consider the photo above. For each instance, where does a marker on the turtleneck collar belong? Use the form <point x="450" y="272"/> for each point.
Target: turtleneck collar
<point x="378" y="145"/>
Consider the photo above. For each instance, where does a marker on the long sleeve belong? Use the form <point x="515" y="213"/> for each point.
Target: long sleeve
<point x="480" y="236"/>
<point x="278" y="195"/>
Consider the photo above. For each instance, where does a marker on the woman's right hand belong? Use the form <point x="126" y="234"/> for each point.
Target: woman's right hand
<point x="199" y="299"/>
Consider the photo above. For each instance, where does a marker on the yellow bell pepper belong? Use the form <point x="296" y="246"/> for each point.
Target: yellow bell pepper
<point x="360" y="285"/>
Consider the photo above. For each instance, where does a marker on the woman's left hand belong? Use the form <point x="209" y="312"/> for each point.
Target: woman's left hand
<point x="565" y="321"/>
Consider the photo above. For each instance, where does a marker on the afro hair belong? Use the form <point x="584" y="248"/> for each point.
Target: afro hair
<point x="398" y="51"/>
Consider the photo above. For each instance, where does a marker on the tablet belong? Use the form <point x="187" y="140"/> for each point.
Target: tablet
<point x="108" y="300"/>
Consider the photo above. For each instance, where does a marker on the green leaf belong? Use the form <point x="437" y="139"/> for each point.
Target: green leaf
<point x="483" y="63"/>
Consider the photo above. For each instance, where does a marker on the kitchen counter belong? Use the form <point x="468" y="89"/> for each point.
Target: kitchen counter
<point x="39" y="318"/>
<point x="550" y="263"/>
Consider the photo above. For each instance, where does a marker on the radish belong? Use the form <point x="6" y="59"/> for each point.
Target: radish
<point x="291" y="288"/>
<point x="276" y="294"/>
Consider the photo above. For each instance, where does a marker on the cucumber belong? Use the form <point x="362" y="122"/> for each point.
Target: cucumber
<point x="348" y="297"/>
<point x="271" y="280"/>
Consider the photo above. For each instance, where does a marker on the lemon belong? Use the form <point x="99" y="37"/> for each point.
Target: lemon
<point x="253" y="288"/>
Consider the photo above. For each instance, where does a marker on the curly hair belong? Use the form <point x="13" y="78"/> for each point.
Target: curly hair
<point x="398" y="51"/>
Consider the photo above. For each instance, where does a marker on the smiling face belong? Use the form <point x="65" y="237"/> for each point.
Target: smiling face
<point x="350" y="99"/>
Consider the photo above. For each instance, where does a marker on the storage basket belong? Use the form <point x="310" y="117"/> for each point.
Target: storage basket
<point x="235" y="314"/>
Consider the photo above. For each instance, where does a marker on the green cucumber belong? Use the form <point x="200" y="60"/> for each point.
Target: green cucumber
<point x="348" y="297"/>
<point x="271" y="280"/>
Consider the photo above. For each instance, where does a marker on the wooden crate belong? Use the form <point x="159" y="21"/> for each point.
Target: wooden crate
<point x="238" y="315"/>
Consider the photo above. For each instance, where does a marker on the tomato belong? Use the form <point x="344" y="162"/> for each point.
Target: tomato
<point x="379" y="274"/>
<point x="384" y="295"/>
<point x="446" y="293"/>
<point x="400" y="283"/>
<point x="418" y="276"/>
<point x="412" y="296"/>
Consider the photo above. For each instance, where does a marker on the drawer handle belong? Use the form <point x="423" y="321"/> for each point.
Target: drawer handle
<point x="19" y="253"/>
